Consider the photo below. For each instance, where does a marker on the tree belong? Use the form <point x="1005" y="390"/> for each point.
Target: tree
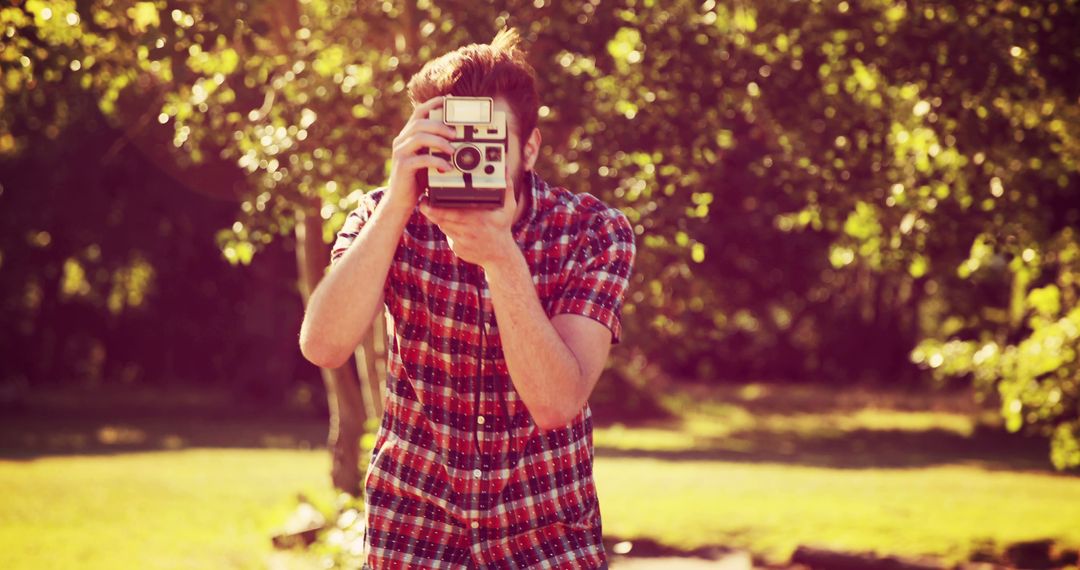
<point x="843" y="190"/>
<point x="224" y="80"/>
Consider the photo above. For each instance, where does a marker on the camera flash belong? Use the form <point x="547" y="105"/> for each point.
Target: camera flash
<point x="467" y="110"/>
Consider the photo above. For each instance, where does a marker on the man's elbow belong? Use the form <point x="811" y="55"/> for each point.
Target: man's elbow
<point x="554" y="418"/>
<point x="321" y="355"/>
<point x="563" y="413"/>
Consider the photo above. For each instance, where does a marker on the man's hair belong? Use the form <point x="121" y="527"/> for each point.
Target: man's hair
<point x="483" y="70"/>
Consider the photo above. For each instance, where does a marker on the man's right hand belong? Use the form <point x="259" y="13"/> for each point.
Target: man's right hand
<point x="408" y="157"/>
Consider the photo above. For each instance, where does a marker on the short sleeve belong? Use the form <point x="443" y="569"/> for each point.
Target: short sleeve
<point x="354" y="222"/>
<point x="600" y="275"/>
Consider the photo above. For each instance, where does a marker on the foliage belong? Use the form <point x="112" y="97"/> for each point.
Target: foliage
<point x="825" y="188"/>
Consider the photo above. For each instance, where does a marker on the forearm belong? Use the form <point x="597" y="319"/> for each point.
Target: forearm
<point x="542" y="367"/>
<point x="344" y="304"/>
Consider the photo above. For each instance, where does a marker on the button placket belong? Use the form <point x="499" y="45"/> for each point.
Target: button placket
<point x="479" y="283"/>
<point x="485" y="298"/>
<point x="484" y="394"/>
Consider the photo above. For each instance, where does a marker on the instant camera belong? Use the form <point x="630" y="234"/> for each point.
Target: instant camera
<point x="478" y="179"/>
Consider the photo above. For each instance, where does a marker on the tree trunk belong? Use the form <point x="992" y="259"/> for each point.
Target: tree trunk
<point x="47" y="328"/>
<point x="368" y="354"/>
<point x="351" y="399"/>
<point x="342" y="383"/>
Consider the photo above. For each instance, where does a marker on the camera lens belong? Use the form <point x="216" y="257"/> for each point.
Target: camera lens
<point x="467" y="158"/>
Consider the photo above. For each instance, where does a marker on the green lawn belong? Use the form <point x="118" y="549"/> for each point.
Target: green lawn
<point x="761" y="467"/>
<point x="198" y="508"/>
<point x="771" y="509"/>
<point x="771" y="467"/>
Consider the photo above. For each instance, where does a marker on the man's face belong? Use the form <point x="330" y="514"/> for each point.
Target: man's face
<point x="514" y="156"/>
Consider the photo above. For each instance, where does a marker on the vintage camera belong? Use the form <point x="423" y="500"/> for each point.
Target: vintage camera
<point x="478" y="179"/>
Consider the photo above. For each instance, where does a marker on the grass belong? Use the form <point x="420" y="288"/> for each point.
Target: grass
<point x="768" y="468"/>
<point x="770" y="510"/>
<point x="192" y="508"/>
<point x="763" y="467"/>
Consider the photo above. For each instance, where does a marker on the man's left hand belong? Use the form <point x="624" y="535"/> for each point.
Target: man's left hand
<point x="482" y="237"/>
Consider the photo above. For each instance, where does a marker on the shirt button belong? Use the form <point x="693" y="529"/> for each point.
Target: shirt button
<point x="477" y="472"/>
<point x="475" y="524"/>
<point x="480" y="420"/>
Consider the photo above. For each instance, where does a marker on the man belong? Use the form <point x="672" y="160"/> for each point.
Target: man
<point x="499" y="321"/>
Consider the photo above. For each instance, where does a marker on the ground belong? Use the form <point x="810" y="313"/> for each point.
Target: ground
<point x="760" y="467"/>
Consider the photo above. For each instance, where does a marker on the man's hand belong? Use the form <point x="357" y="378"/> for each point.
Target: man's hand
<point x="408" y="157"/>
<point x="481" y="237"/>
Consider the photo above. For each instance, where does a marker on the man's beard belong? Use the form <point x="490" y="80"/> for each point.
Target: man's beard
<point x="521" y="182"/>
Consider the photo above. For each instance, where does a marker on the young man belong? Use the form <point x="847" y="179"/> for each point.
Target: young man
<point x="500" y="322"/>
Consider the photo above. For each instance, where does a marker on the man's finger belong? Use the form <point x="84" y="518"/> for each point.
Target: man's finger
<point x="419" y="161"/>
<point x="448" y="227"/>
<point x="413" y="144"/>
<point x="433" y="213"/>
<point x="428" y="126"/>
<point x="421" y="111"/>
<point x="458" y="216"/>
<point x="426" y="210"/>
<point x="440" y="216"/>
<point x="456" y="228"/>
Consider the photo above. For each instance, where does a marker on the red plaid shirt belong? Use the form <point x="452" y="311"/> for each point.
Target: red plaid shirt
<point x="460" y="475"/>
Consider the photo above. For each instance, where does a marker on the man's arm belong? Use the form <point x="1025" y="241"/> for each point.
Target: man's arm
<point x="554" y="364"/>
<point x="343" y="306"/>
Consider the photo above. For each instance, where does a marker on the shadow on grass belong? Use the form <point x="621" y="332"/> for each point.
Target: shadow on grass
<point x="30" y="434"/>
<point x="750" y="413"/>
<point x="77" y="427"/>
<point x="1037" y="553"/>
<point x="645" y="547"/>
<point x="862" y="449"/>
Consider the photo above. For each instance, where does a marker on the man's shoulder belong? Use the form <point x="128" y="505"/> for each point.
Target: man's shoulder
<point x="374" y="196"/>
<point x="364" y="202"/>
<point x="583" y="211"/>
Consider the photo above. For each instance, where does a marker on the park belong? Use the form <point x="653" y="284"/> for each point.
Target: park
<point x="848" y="339"/>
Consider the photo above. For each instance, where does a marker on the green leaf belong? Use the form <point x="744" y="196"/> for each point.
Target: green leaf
<point x="697" y="252"/>
<point x="144" y="15"/>
<point x="1045" y="300"/>
<point x="918" y="266"/>
<point x="625" y="43"/>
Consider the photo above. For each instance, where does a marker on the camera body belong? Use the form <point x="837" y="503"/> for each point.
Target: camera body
<point x="478" y="179"/>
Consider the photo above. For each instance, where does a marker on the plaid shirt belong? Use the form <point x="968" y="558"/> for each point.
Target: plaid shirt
<point x="460" y="475"/>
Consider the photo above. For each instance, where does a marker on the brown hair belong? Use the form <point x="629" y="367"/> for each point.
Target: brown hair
<point x="483" y="70"/>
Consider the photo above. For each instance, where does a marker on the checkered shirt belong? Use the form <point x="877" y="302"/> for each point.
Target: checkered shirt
<point x="460" y="475"/>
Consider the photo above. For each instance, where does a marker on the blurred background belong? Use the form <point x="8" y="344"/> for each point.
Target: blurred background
<point x="852" y="330"/>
